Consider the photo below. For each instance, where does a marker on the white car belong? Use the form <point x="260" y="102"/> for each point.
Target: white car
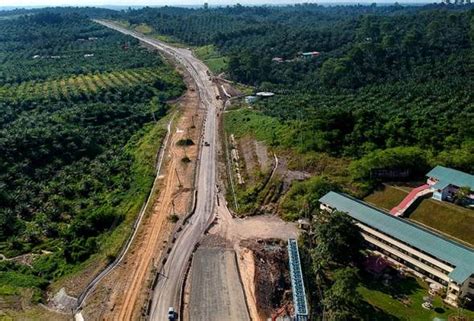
<point x="171" y="314"/>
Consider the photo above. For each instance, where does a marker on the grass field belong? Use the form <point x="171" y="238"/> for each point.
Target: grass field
<point x="387" y="197"/>
<point x="402" y="299"/>
<point x="212" y="58"/>
<point x="447" y="218"/>
<point x="144" y="28"/>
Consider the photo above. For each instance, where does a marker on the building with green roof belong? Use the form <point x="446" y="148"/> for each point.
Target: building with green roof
<point x="445" y="182"/>
<point x="411" y="247"/>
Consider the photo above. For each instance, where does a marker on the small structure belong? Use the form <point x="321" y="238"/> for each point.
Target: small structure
<point x="265" y="94"/>
<point x="88" y="55"/>
<point x="310" y="54"/>
<point x="445" y="182"/>
<point x="250" y="99"/>
<point x="304" y="224"/>
<point x="297" y="284"/>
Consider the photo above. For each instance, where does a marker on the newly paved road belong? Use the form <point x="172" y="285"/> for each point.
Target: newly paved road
<point x="167" y="291"/>
<point x="216" y="290"/>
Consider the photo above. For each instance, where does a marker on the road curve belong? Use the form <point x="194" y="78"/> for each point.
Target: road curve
<point x="167" y="291"/>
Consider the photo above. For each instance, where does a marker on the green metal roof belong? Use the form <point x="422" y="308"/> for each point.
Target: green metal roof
<point x="452" y="176"/>
<point x="440" y="185"/>
<point x="461" y="257"/>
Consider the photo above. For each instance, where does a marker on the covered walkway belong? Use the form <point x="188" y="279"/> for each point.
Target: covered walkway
<point x="417" y="192"/>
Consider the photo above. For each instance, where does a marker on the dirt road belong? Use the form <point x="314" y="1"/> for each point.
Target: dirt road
<point x="167" y="290"/>
<point x="122" y="294"/>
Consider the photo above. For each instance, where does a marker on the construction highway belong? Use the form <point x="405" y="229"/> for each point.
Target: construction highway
<point x="168" y="289"/>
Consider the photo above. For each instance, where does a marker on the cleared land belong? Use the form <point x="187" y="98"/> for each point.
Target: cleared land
<point x="453" y="220"/>
<point x="216" y="291"/>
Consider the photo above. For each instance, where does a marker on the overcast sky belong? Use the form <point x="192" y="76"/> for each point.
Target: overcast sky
<point x="17" y="3"/>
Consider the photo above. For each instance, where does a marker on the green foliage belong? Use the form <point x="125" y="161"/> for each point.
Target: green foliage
<point x="461" y="158"/>
<point x="212" y="58"/>
<point x="185" y="142"/>
<point x="173" y="218"/>
<point x="330" y="255"/>
<point x="303" y="197"/>
<point x="267" y="129"/>
<point x="338" y="240"/>
<point x="412" y="158"/>
<point x="78" y="140"/>
<point x="342" y="301"/>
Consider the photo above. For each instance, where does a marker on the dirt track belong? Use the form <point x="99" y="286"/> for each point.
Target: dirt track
<point x="122" y="294"/>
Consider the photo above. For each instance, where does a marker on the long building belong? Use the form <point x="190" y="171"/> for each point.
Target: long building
<point x="411" y="247"/>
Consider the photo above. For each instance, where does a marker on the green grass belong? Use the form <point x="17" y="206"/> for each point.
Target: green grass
<point x="386" y="197"/>
<point x="171" y="40"/>
<point x="243" y="122"/>
<point x="144" y="28"/>
<point x="14" y="284"/>
<point x="448" y="218"/>
<point x="402" y="299"/>
<point x="212" y="58"/>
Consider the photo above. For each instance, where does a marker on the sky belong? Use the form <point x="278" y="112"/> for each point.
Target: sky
<point x="19" y="3"/>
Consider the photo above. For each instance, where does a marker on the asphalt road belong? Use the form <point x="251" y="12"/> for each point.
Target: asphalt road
<point x="167" y="291"/>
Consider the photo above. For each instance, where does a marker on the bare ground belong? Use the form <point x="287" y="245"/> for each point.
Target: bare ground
<point x="271" y="277"/>
<point x="123" y="293"/>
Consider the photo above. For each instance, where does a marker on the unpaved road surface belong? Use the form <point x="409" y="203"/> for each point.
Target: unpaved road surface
<point x="216" y="291"/>
<point x="168" y="288"/>
<point x="121" y="295"/>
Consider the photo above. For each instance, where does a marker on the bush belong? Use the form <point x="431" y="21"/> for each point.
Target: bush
<point x="186" y="160"/>
<point x="303" y="197"/>
<point x="414" y="159"/>
<point x="173" y="218"/>
<point x="185" y="142"/>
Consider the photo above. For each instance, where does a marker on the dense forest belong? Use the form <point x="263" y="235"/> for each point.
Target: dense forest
<point x="76" y="100"/>
<point x="386" y="76"/>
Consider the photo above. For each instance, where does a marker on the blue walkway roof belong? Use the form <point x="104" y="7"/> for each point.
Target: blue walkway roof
<point x="297" y="283"/>
<point x="457" y="255"/>
<point x="447" y="176"/>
